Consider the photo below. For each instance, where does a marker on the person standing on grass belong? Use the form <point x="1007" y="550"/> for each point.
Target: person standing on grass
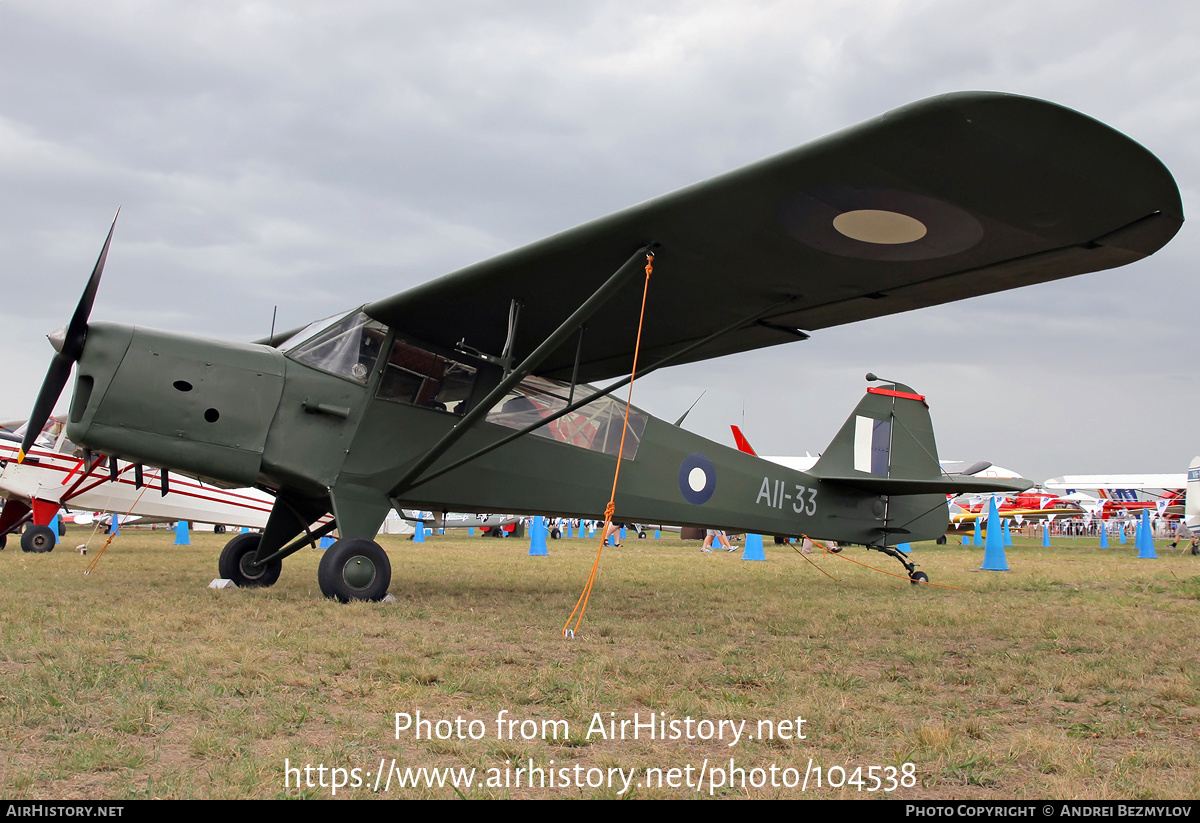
<point x="722" y="540"/>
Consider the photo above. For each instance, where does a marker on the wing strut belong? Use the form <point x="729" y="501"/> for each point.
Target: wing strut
<point x="556" y="339"/>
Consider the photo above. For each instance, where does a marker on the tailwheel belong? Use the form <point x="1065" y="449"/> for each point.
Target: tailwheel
<point x="38" y="539"/>
<point x="354" y="568"/>
<point x="918" y="578"/>
<point x="237" y="563"/>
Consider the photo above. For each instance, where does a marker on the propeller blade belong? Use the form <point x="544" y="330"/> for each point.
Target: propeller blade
<point x="77" y="328"/>
<point x="68" y="350"/>
<point x="56" y="377"/>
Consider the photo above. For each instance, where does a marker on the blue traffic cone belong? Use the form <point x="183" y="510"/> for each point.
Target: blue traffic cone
<point x="622" y="532"/>
<point x="1145" y="540"/>
<point x="1007" y="534"/>
<point x="993" y="552"/>
<point x="978" y="539"/>
<point x="903" y="548"/>
<point x="566" y="528"/>
<point x="419" y="534"/>
<point x="245" y="529"/>
<point x="182" y="538"/>
<point x="470" y="531"/>
<point x="54" y="525"/>
<point x="966" y="540"/>
<point x="1046" y="534"/>
<point x="537" y="537"/>
<point x="658" y="534"/>
<point x="1122" y="534"/>
<point x="115" y="528"/>
<point x="754" y="548"/>
<point x="1103" y="537"/>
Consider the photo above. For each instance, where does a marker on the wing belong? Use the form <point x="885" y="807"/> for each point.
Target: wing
<point x="947" y="198"/>
<point x="1118" y="481"/>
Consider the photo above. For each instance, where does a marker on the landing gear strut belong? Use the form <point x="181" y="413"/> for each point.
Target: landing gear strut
<point x="915" y="577"/>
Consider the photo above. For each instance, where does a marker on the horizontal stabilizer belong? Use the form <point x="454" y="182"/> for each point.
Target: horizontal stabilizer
<point x="945" y="484"/>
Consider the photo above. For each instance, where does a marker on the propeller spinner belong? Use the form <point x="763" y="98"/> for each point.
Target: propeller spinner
<point x="68" y="345"/>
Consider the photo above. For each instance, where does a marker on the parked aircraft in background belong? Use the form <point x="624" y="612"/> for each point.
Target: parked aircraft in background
<point x="1123" y="495"/>
<point x="52" y="479"/>
<point x="1032" y="506"/>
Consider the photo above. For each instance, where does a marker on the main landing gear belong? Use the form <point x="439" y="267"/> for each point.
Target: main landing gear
<point x="353" y="568"/>
<point x="38" y="539"/>
<point x="237" y="563"/>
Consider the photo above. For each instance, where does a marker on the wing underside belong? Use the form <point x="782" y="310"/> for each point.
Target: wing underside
<point x="944" y="199"/>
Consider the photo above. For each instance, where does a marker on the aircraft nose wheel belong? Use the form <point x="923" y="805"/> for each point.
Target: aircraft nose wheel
<point x="237" y="563"/>
<point x="354" y="568"/>
<point x="38" y="539"/>
<point x="918" y="578"/>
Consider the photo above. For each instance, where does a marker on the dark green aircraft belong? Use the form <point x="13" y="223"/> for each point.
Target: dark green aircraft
<point x="469" y="393"/>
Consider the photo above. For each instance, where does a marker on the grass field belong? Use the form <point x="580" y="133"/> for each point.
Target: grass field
<point x="1074" y="675"/>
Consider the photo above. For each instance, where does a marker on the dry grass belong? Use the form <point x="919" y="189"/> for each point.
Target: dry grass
<point x="1073" y="675"/>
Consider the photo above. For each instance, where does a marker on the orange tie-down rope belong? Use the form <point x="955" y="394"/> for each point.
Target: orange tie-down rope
<point x="881" y="571"/>
<point x="112" y="533"/>
<point x="610" y="509"/>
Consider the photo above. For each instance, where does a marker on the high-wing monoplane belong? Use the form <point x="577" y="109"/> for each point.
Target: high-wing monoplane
<point x="469" y="393"/>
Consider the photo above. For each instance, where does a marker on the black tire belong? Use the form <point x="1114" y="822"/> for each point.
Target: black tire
<point x="234" y="563"/>
<point x="941" y="541"/>
<point x="641" y="535"/>
<point x="918" y="578"/>
<point x="62" y="528"/>
<point x="555" y="534"/>
<point x="218" y="529"/>
<point x="38" y="539"/>
<point x="354" y="568"/>
<point x="3" y="541"/>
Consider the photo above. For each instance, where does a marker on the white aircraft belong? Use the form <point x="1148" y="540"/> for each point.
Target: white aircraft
<point x="52" y="478"/>
<point x="1128" y="494"/>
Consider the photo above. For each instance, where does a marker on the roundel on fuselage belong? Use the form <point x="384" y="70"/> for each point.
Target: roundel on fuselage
<point x="697" y="479"/>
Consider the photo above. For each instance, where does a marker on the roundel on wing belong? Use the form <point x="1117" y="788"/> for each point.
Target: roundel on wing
<point x="873" y="223"/>
<point x="697" y="479"/>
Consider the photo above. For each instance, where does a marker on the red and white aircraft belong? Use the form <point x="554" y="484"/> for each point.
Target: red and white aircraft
<point x="1129" y="494"/>
<point x="52" y="478"/>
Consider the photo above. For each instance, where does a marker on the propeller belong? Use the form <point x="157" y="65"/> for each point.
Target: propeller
<point x="68" y="348"/>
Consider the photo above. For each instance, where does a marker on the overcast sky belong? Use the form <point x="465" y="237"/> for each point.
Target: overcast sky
<point x="318" y="155"/>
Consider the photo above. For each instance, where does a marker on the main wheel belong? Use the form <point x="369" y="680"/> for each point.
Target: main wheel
<point x="354" y="568"/>
<point x="919" y="578"/>
<point x="641" y="535"/>
<point x="237" y="563"/>
<point x="941" y="541"/>
<point x="38" y="539"/>
<point x="218" y="529"/>
<point x="555" y="534"/>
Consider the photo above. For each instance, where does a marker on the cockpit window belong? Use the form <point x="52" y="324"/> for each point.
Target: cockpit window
<point x="595" y="426"/>
<point x="419" y="377"/>
<point x="348" y="348"/>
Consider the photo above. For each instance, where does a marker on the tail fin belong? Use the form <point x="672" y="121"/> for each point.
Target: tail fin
<point x="887" y="447"/>
<point x="742" y="443"/>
